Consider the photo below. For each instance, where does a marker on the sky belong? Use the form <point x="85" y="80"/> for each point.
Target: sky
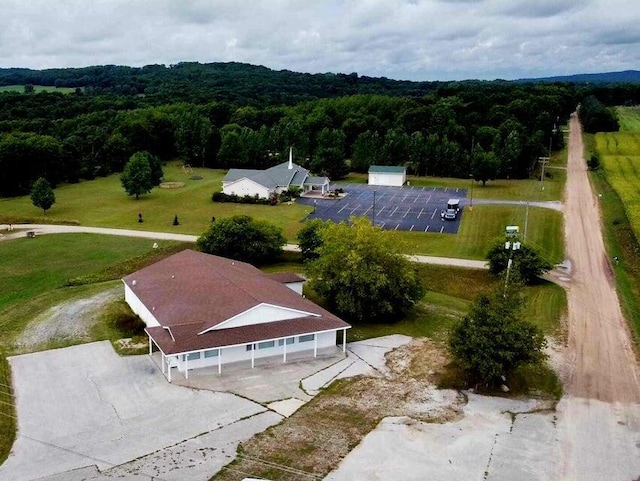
<point x="399" y="39"/>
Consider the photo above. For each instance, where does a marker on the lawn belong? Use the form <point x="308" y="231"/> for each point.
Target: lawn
<point x="37" y="89"/>
<point x="103" y="203"/>
<point x="484" y="225"/>
<point x="33" y="272"/>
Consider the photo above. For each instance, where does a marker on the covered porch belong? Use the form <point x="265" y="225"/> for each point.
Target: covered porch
<point x="243" y="356"/>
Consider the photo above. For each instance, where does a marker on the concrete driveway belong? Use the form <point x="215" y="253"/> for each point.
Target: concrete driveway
<point x="85" y="406"/>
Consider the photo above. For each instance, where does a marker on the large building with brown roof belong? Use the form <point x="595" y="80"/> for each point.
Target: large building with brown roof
<point x="203" y="310"/>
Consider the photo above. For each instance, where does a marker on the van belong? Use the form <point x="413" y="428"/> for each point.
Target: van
<point x="454" y="204"/>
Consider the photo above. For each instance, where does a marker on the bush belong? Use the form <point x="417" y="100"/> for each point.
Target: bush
<point x="128" y="323"/>
<point x="232" y="198"/>
<point x="243" y="238"/>
<point x="594" y="161"/>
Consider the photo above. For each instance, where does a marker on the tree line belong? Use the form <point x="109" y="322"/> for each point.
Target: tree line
<point x="67" y="138"/>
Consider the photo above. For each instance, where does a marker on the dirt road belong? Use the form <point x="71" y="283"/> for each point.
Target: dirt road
<point x="599" y="416"/>
<point x="605" y="367"/>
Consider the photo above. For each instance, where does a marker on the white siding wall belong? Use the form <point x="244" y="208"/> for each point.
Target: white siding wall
<point x="245" y="187"/>
<point x="240" y="353"/>
<point x="261" y="314"/>
<point x="139" y="308"/>
<point x="380" y="178"/>
<point x="295" y="286"/>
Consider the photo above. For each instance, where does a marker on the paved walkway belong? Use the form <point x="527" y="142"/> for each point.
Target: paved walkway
<point x="41" y="229"/>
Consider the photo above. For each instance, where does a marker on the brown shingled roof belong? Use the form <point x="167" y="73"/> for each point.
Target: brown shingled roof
<point x="191" y="291"/>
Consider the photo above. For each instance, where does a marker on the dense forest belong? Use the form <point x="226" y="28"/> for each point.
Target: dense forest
<point x="237" y="115"/>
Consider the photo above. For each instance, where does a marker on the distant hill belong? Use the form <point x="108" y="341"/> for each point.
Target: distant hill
<point x="626" y="76"/>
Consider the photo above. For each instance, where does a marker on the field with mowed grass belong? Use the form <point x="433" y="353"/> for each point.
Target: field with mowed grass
<point x="37" y="89"/>
<point x="103" y="203"/>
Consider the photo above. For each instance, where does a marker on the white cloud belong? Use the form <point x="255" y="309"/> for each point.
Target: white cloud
<point x="414" y="39"/>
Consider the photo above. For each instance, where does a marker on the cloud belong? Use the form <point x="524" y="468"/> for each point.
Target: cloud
<point x="413" y="39"/>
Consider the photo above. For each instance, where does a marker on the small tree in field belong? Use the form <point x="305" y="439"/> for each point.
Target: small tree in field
<point x="492" y="341"/>
<point x="140" y="174"/>
<point x="362" y="275"/>
<point x="243" y="238"/>
<point x="42" y="195"/>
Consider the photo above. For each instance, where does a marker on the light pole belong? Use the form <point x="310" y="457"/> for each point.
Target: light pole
<point x="471" y="193"/>
<point x="373" y="216"/>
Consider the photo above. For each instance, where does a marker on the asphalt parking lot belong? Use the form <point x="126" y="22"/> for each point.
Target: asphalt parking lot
<point x="407" y="208"/>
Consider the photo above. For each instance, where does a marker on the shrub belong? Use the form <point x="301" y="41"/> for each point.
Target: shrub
<point x="128" y="323"/>
<point x="232" y="198"/>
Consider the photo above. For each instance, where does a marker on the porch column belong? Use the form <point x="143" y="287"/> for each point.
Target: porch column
<point x="344" y="340"/>
<point x="315" y="345"/>
<point x="186" y="366"/>
<point x="150" y="346"/>
<point x="284" y="352"/>
<point x="168" y="370"/>
<point x="219" y="360"/>
<point x="253" y="355"/>
<point x="162" y="361"/>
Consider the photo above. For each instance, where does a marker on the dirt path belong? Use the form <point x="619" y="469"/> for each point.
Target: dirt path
<point x="605" y="366"/>
<point x="599" y="416"/>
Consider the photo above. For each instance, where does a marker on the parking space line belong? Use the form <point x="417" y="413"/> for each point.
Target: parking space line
<point x="368" y="209"/>
<point x="394" y="211"/>
<point x="429" y="199"/>
<point x="405" y="198"/>
<point x="380" y="211"/>
<point x="397" y="227"/>
<point x="355" y="208"/>
<point x="434" y="212"/>
<point x="421" y="211"/>
<point x="445" y="189"/>
<point x="343" y="207"/>
<point x="411" y="228"/>
<point x="405" y="214"/>
<point x="423" y="188"/>
<point x="441" y="229"/>
<point x="427" y="228"/>
<point x="382" y="226"/>
<point x="416" y="199"/>
<point x="456" y="190"/>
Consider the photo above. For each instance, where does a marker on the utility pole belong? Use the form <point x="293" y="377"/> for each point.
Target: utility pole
<point x="473" y="140"/>
<point x="526" y="221"/>
<point x="545" y="160"/>
<point x="511" y="247"/>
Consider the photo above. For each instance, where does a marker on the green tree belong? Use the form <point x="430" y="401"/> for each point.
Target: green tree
<point x="527" y="262"/>
<point x="491" y="340"/>
<point x="310" y="238"/>
<point x="484" y="165"/>
<point x="361" y="274"/>
<point x="138" y="177"/>
<point x="192" y="137"/>
<point x="42" y="195"/>
<point x="243" y="238"/>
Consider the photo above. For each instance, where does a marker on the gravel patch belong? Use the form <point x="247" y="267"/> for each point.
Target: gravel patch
<point x="69" y="320"/>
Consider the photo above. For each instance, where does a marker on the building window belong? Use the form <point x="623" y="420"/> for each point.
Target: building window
<point x="249" y="347"/>
<point x="193" y="356"/>
<point x="214" y="353"/>
<point x="306" y="338"/>
<point x="290" y="340"/>
<point x="266" y="345"/>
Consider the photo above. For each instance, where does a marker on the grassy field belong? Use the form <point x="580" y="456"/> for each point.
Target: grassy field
<point x="629" y="118"/>
<point x="617" y="186"/>
<point x="37" y="89"/>
<point x="108" y="206"/>
<point x="102" y="202"/>
<point x="484" y="225"/>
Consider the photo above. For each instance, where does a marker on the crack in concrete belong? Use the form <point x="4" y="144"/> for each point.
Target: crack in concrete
<point x="102" y="399"/>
